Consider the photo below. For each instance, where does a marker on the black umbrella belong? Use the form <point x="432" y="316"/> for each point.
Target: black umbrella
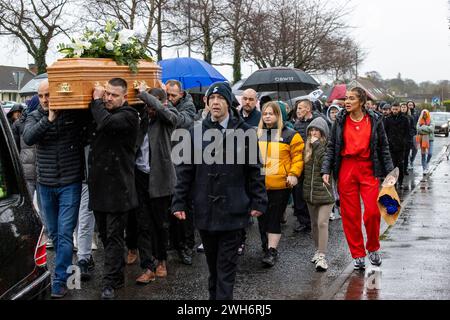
<point x="279" y="79"/>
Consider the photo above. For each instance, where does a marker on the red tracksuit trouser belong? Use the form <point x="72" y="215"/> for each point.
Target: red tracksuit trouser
<point x="356" y="179"/>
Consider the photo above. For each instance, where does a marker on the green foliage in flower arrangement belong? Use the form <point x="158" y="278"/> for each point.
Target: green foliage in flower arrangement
<point x="120" y="45"/>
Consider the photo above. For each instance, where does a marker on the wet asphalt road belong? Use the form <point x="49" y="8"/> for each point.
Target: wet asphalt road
<point x="293" y="277"/>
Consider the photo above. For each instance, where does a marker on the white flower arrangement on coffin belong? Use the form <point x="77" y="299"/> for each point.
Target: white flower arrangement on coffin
<point x="120" y="45"/>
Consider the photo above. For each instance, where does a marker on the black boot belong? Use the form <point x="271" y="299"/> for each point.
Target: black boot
<point x="270" y="257"/>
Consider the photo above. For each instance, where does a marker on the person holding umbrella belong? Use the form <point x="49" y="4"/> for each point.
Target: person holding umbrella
<point x="357" y="156"/>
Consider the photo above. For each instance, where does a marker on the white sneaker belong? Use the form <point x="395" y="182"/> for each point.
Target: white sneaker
<point x="321" y="263"/>
<point x="316" y="256"/>
<point x="332" y="216"/>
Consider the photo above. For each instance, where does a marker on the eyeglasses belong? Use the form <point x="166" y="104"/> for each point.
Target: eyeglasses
<point x="44" y="95"/>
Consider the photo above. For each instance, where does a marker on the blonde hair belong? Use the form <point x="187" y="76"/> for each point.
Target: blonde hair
<point x="308" y="145"/>
<point x="277" y="111"/>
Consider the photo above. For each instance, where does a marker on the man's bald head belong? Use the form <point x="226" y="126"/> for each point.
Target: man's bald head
<point x="249" y="100"/>
<point x="43" y="94"/>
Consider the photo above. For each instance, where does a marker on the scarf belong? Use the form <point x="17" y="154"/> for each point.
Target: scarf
<point x="423" y="142"/>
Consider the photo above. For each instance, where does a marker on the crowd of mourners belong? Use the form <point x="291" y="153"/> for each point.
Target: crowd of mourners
<point x="108" y="170"/>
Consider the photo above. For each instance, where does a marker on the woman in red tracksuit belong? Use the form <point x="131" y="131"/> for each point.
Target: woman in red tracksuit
<point x="358" y="154"/>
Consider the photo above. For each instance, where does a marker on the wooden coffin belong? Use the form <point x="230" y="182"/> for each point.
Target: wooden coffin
<point x="72" y="80"/>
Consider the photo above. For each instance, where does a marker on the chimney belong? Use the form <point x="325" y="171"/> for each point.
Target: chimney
<point x="33" y="68"/>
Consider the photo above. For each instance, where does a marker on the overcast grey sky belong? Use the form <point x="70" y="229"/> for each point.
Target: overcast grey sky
<point x="406" y="36"/>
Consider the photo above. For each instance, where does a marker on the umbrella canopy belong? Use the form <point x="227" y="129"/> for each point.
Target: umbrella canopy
<point x="31" y="86"/>
<point x="279" y="79"/>
<point x="338" y="92"/>
<point x="192" y="73"/>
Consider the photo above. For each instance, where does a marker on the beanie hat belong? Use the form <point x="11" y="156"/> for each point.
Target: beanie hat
<point x="222" y="88"/>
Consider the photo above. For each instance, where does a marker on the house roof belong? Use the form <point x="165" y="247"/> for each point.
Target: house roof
<point x="374" y="92"/>
<point x="8" y="78"/>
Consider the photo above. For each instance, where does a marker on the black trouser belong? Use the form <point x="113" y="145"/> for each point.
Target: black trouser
<point x="398" y="158"/>
<point x="182" y="231"/>
<point x="406" y="157"/>
<point x="111" y="227"/>
<point x="131" y="231"/>
<point x="300" y="206"/>
<point x="152" y="217"/>
<point x="270" y="221"/>
<point x="221" y="255"/>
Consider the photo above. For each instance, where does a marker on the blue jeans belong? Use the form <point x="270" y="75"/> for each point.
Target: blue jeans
<point x="60" y="206"/>
<point x="427" y="157"/>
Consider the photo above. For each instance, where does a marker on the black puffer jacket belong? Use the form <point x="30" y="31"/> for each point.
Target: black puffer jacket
<point x="223" y="194"/>
<point x="379" y="146"/>
<point x="59" y="146"/>
<point x="398" y="132"/>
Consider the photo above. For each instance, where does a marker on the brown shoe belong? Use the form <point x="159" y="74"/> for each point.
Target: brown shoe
<point x="161" y="270"/>
<point x="146" y="277"/>
<point x="132" y="256"/>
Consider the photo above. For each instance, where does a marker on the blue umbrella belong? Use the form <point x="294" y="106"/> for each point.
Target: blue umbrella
<point x="194" y="74"/>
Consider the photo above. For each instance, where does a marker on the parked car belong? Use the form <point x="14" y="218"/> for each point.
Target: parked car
<point x="23" y="256"/>
<point x="6" y="106"/>
<point x="441" y="121"/>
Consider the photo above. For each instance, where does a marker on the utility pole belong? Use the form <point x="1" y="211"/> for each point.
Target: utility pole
<point x="356" y="64"/>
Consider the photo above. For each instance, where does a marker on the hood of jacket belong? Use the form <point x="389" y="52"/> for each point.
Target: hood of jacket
<point x="15" y="107"/>
<point x="186" y="99"/>
<point x="321" y="124"/>
<point x="333" y="106"/>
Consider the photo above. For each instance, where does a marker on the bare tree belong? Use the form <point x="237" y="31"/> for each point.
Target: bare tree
<point x="34" y="24"/>
<point x="146" y="17"/>
<point x="236" y="16"/>
<point x="340" y="56"/>
<point x="293" y="33"/>
<point x="198" y="24"/>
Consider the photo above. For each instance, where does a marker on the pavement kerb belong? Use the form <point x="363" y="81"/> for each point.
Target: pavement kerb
<point x="348" y="271"/>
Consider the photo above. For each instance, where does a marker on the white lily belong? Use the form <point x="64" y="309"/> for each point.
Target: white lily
<point x="109" y="46"/>
<point x="125" y="35"/>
